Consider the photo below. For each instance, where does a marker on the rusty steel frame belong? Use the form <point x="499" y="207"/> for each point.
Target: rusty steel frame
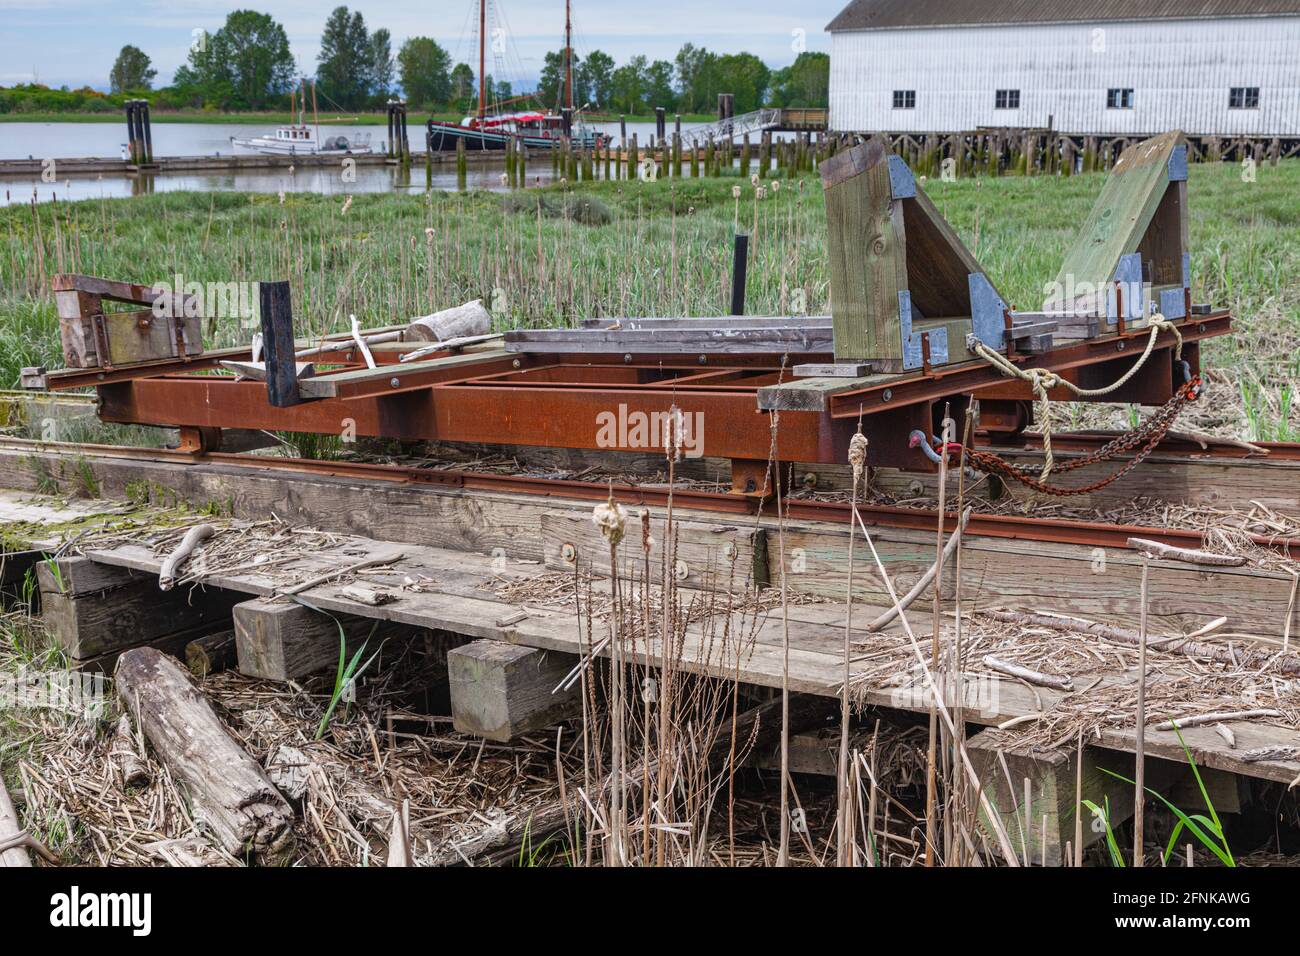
<point x="561" y="399"/>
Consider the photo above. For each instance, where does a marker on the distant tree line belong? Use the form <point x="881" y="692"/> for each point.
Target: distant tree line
<point x="247" y="65"/>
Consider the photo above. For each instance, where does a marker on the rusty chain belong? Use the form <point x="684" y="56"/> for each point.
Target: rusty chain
<point x="1141" y="441"/>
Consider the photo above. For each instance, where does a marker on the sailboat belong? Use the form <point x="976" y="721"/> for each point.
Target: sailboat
<point x="302" y="140"/>
<point x="536" y="129"/>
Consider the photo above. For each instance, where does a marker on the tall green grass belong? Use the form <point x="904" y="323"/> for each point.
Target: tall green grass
<point x="661" y="248"/>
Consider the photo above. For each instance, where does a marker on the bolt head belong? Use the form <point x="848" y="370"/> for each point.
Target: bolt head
<point x="394" y="382"/>
<point x="887" y="395"/>
<point x="568" y="553"/>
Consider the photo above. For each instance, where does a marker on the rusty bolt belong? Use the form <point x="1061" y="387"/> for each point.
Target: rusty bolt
<point x="568" y="553"/>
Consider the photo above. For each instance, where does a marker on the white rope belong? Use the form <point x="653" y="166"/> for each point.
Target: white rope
<point x="1041" y="380"/>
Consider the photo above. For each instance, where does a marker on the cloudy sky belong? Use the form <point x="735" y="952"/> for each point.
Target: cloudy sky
<point x="74" y="42"/>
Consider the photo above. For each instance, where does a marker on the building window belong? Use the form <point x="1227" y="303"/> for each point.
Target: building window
<point x="1119" y="99"/>
<point x="904" y="99"/>
<point x="1007" y="100"/>
<point x="1243" y="98"/>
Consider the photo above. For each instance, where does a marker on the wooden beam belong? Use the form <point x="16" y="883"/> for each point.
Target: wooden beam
<point x="283" y="640"/>
<point x="500" y="691"/>
<point x="94" y="610"/>
<point x="275" y="311"/>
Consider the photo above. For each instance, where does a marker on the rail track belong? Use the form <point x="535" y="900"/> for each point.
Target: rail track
<point x="1016" y="527"/>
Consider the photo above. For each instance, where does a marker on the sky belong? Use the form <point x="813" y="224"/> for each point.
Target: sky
<point x="74" y="42"/>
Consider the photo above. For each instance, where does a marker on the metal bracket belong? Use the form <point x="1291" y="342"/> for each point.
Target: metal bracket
<point x="1173" y="302"/>
<point x="1178" y="165"/>
<point x="100" y="332"/>
<point x="902" y="184"/>
<point x="1128" y="273"/>
<point x="987" y="311"/>
<point x="914" y="347"/>
<point x="178" y="334"/>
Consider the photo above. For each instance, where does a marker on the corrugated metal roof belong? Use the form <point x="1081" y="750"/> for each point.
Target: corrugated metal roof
<point x="897" y="14"/>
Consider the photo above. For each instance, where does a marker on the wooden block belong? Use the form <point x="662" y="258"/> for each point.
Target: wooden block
<point x="94" y="610"/>
<point x="500" y="690"/>
<point x="283" y="640"/>
<point x="211" y="652"/>
<point x="723" y="555"/>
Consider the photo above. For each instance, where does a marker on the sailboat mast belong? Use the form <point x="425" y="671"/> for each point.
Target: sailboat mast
<point x="482" y="29"/>
<point x="568" y="57"/>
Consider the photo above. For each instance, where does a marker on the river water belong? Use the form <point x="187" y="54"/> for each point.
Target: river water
<point x="69" y="140"/>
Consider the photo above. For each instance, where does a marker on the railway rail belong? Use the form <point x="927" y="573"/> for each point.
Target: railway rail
<point x="1016" y="527"/>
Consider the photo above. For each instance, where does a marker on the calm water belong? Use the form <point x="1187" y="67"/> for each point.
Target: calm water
<point x="63" y="140"/>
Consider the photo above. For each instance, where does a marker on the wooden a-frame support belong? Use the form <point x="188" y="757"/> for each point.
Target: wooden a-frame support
<point x="1131" y="256"/>
<point x="905" y="290"/>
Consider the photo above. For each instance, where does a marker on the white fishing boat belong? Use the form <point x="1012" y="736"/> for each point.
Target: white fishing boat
<point x="304" y="140"/>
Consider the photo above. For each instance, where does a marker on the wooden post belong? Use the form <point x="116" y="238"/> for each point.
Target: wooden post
<point x="286" y="641"/>
<point x="867" y="259"/>
<point x="276" y="313"/>
<point x="95" y="611"/>
<point x="462" y="168"/>
<point x="500" y="691"/>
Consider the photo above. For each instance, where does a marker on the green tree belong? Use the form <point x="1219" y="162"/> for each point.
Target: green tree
<point x="629" y="85"/>
<point x="659" y="85"/>
<point x="697" y="79"/>
<point x="806" y="82"/>
<point x="244" y="65"/>
<point x="462" y="86"/>
<point x="550" y="84"/>
<point x="746" y="77"/>
<point x="381" y="64"/>
<point x="424" y="69"/>
<point x="131" y="71"/>
<point x="343" y="65"/>
<point x="596" y="77"/>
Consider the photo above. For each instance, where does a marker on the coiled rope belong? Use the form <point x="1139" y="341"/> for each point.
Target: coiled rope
<point x="1041" y="380"/>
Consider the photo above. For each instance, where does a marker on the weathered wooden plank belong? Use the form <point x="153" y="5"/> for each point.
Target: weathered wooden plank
<point x="332" y="385"/>
<point x="275" y="313"/>
<point x="866" y="246"/>
<point x="286" y="641"/>
<point x="723" y="555"/>
<point x="726" y="340"/>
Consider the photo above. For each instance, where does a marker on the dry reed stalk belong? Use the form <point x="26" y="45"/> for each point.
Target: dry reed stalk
<point x="845" y="840"/>
<point x="972" y="776"/>
<point x="1139" y="773"/>
<point x="931" y="783"/>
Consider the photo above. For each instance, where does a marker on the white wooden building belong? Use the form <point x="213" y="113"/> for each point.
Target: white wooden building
<point x="1086" y="67"/>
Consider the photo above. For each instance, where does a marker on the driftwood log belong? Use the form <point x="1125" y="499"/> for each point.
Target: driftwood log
<point x="211" y="653"/>
<point x="131" y="770"/>
<point x="454" y="323"/>
<point x="228" y="791"/>
<point x="11" y="832"/>
<point x="756" y="729"/>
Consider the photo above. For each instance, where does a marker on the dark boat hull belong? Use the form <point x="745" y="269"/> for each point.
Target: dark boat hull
<point x="443" y="138"/>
